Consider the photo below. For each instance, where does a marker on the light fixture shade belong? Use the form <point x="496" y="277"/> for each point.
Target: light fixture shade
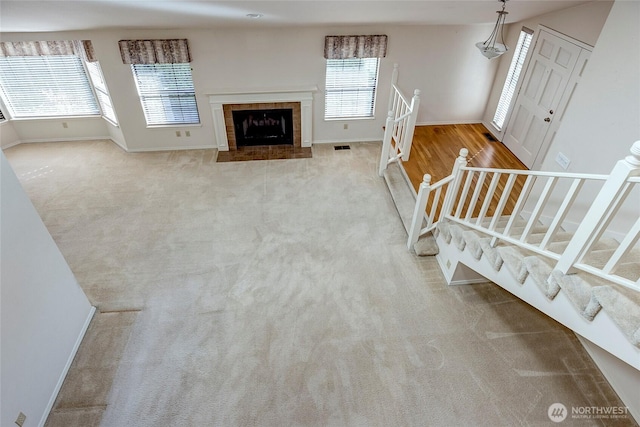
<point x="493" y="51"/>
<point x="491" y="47"/>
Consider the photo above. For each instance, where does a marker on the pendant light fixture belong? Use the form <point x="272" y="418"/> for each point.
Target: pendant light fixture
<point x="494" y="46"/>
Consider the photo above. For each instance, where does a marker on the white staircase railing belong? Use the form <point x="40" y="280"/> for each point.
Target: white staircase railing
<point x="400" y="124"/>
<point x="479" y="197"/>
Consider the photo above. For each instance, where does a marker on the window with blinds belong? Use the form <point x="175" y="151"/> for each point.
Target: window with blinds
<point x="46" y="86"/>
<point x="350" y="88"/>
<point x="104" y="99"/>
<point x="2" y="118"/>
<point x="166" y="93"/>
<point x="519" y="55"/>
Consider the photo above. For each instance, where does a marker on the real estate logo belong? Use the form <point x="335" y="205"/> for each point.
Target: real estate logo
<point x="557" y="412"/>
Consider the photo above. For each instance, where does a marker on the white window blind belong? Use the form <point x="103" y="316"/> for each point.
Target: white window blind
<point x="166" y="93"/>
<point x="104" y="99"/>
<point x="46" y="86"/>
<point x="513" y="75"/>
<point x="350" y="88"/>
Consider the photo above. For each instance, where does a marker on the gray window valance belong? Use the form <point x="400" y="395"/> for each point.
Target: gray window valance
<point x="347" y="47"/>
<point x="81" y="48"/>
<point x="170" y="51"/>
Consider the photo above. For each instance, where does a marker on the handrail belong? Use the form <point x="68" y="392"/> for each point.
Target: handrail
<point x="399" y="92"/>
<point x="540" y="173"/>
<point x="479" y="197"/>
<point x="402" y="117"/>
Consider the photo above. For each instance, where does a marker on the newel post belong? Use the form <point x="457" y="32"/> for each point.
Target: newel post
<point x="411" y="125"/>
<point x="386" y="144"/>
<point x="392" y="93"/>
<point x="418" y="211"/>
<point x="452" y="188"/>
<point x="600" y="211"/>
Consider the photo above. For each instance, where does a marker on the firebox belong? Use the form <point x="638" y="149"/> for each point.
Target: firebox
<point x="263" y="127"/>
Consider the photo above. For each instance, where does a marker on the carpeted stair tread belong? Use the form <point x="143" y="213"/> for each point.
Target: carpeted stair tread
<point x="513" y="258"/>
<point x="629" y="271"/>
<point x="444" y="228"/>
<point x="516" y="232"/>
<point x="473" y="246"/>
<point x="579" y="291"/>
<point x="401" y="193"/>
<point x="603" y="243"/>
<point x="503" y="221"/>
<point x="491" y="253"/>
<point x="540" y="271"/>
<point x="561" y="236"/>
<point x="623" y="306"/>
<point x="426" y="245"/>
<point x="457" y="236"/>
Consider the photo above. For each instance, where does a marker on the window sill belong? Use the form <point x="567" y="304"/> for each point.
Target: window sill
<point x="20" y="119"/>
<point x="342" y="119"/>
<point x="190" y="125"/>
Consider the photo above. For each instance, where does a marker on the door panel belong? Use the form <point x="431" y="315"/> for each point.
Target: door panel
<point x="544" y="84"/>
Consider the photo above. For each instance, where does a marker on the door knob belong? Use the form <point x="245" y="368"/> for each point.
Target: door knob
<point x="550" y="111"/>
<point x="547" y="119"/>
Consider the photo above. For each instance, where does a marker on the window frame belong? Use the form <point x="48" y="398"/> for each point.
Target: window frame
<point x="146" y="96"/>
<point x="331" y="85"/>
<point x="54" y="68"/>
<point x="512" y="80"/>
<point x="100" y="88"/>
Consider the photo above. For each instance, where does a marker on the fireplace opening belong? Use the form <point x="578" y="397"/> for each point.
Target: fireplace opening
<point x="263" y="127"/>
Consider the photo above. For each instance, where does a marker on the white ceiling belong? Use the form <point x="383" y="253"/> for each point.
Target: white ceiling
<point x="53" y="15"/>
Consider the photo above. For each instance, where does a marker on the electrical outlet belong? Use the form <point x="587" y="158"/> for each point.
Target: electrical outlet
<point x="65" y="125"/>
<point x="562" y="160"/>
<point x="178" y="134"/>
<point x="346" y="126"/>
<point x="21" y="419"/>
<point x="187" y="133"/>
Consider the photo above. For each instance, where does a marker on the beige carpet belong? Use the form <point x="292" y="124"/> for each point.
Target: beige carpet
<point x="281" y="293"/>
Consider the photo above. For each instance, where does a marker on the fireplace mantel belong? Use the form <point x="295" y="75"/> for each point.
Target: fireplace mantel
<point x="220" y="97"/>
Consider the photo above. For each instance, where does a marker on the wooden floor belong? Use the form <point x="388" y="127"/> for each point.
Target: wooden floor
<point x="435" y="149"/>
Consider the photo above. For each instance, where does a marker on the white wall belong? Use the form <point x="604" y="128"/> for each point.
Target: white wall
<point x="54" y="130"/>
<point x="43" y="310"/>
<point x="582" y="23"/>
<point x="603" y="119"/>
<point x="454" y="79"/>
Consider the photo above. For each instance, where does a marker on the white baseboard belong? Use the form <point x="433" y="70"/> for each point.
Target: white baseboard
<point x="63" y="375"/>
<point x="83" y="138"/>
<point x="468" y="282"/>
<point x="11" y="144"/>
<point x="449" y="122"/>
<point x="345" y="141"/>
<point x="121" y="146"/>
<point x="178" y="148"/>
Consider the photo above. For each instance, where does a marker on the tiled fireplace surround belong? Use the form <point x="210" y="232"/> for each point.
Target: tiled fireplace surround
<point x="223" y="102"/>
<point x="230" y="130"/>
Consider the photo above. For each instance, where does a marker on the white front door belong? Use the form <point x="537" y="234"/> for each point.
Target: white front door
<point x="542" y="96"/>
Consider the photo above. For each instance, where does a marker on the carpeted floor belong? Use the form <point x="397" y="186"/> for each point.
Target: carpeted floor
<point x="281" y="293"/>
